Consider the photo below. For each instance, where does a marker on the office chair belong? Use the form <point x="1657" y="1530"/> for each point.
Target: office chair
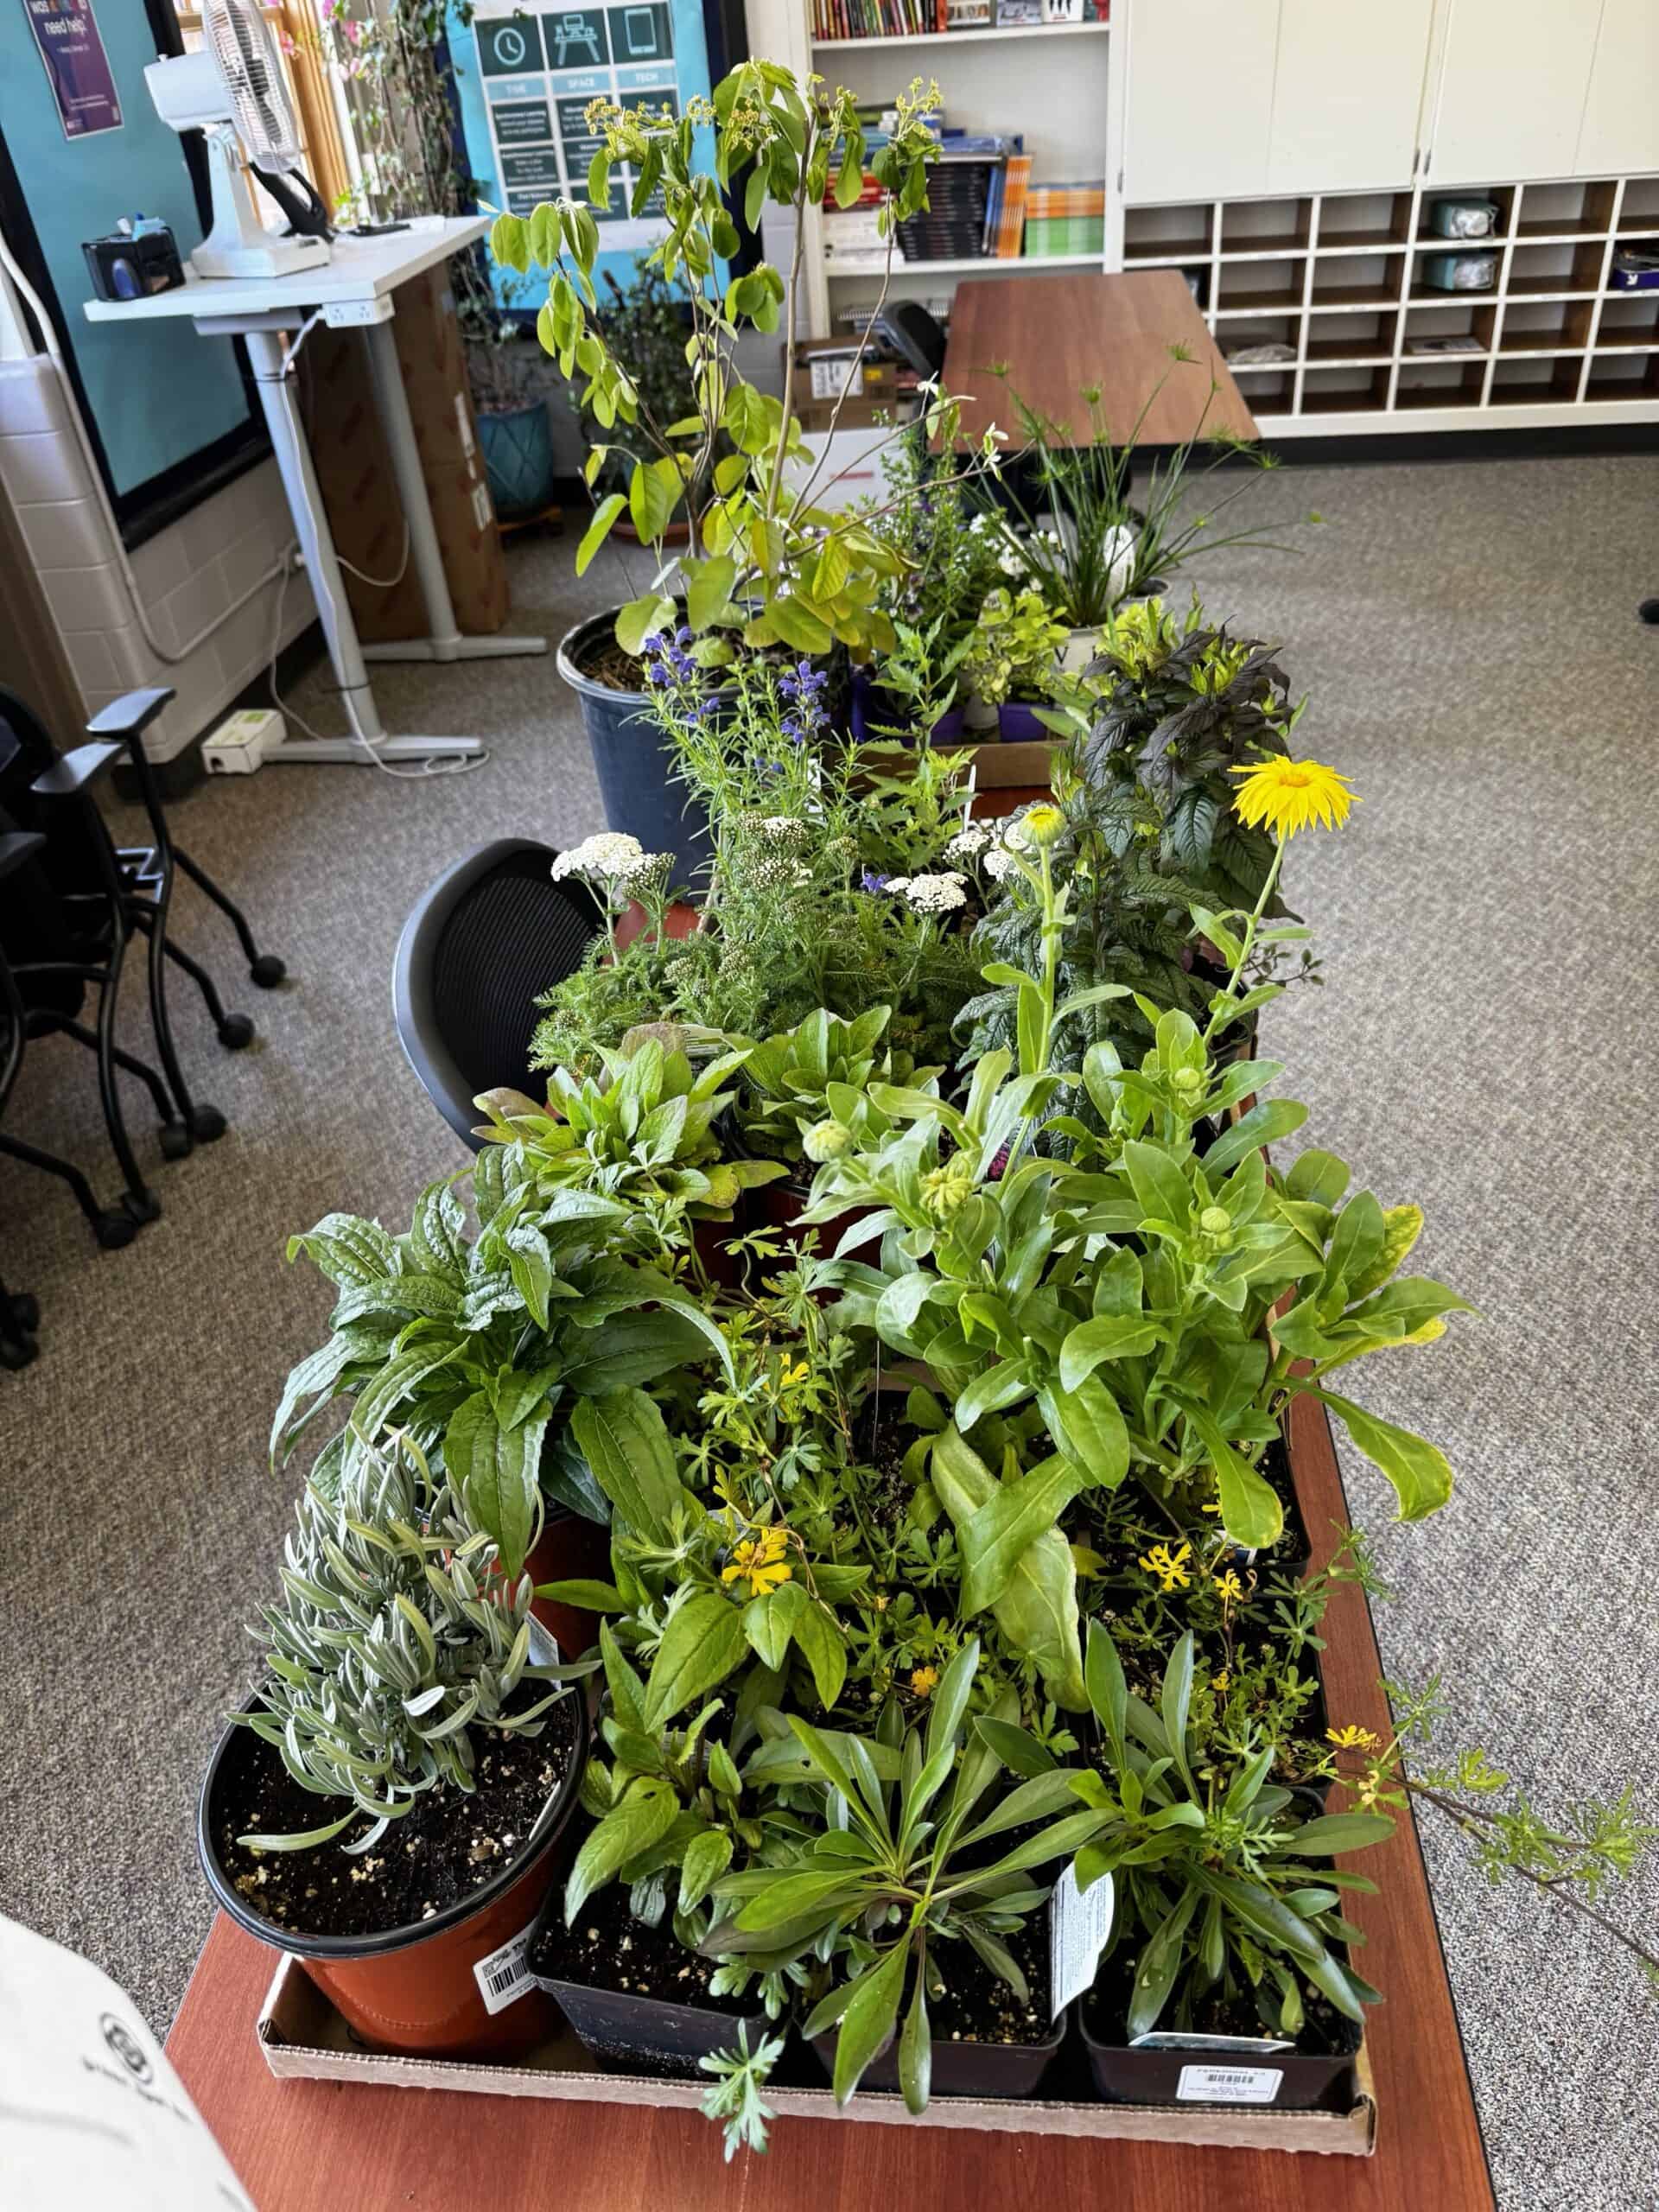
<point x="492" y="932"/>
<point x="915" y="335"/>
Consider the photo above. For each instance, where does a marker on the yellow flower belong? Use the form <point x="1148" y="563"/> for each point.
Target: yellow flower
<point x="1221" y="1682"/>
<point x="1350" y="1739"/>
<point x="1169" y="1566"/>
<point x="1045" y="824"/>
<point x="925" y="1681"/>
<point x="759" y="1562"/>
<point x="1291" y="795"/>
<point x="1229" y="1588"/>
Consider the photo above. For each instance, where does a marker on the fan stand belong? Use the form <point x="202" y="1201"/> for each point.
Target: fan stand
<point x="239" y="245"/>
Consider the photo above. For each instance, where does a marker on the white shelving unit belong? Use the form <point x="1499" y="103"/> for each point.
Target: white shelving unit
<point x="1310" y="230"/>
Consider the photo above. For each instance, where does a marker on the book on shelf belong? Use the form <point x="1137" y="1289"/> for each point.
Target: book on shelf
<point x="1011" y="219"/>
<point x="918" y="19"/>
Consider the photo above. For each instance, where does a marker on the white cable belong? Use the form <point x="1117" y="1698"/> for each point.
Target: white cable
<point x="171" y="656"/>
<point x="380" y="583"/>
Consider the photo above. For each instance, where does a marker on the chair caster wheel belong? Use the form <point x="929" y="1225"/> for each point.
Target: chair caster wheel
<point x="113" y="1230"/>
<point x="207" y="1124"/>
<point x="235" y="1030"/>
<point x="26" y="1312"/>
<point x="176" y="1141"/>
<point x="141" y="1207"/>
<point x="14" y="1356"/>
<point x="268" y="971"/>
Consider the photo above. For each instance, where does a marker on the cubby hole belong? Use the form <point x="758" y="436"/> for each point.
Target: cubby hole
<point x="1540" y="326"/>
<point x="1358" y="280"/>
<point x="1638" y="213"/>
<point x="1344" y="392"/>
<point x="1185" y="233"/>
<point x="1440" y="384"/>
<point x="1267" y="226"/>
<point x="1624" y="375"/>
<point x="1445" y="250"/>
<point x="1629" y="320"/>
<point x="1539" y="270"/>
<point x="1554" y="211"/>
<point x="1266" y="391"/>
<point x="1240" y="335"/>
<point x="1501" y="196"/>
<point x="1261" y="287"/>
<point x="1536" y="380"/>
<point x="1351" y="338"/>
<point x="1461" y="329"/>
<point x="1359" y="221"/>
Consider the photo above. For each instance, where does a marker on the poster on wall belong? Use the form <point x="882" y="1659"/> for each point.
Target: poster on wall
<point x="537" y="64"/>
<point x="77" y="67"/>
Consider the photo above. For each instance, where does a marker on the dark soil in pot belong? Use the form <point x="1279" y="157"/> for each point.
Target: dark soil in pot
<point x="638" y="2000"/>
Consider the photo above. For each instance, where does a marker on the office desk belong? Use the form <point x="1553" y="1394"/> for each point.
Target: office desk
<point x="1054" y="336"/>
<point x="308" y="2146"/>
<point x="356" y="289"/>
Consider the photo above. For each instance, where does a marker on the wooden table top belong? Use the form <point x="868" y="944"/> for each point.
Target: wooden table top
<point x="1049" y="338"/>
<point x="308" y="2146"/>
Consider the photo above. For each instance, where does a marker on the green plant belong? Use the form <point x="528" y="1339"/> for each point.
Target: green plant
<point x="949" y="552"/>
<point x="884" y="1887"/>
<point x="788" y="1079"/>
<point x="1013" y="649"/>
<point x="645" y="327"/>
<point x="396" y="1634"/>
<point x="767" y="562"/>
<point x="735" y="2096"/>
<point x="1209" y="1863"/>
<point x="918" y="681"/>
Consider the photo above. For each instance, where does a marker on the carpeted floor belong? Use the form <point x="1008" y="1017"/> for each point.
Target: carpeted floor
<point x="1485" y="1045"/>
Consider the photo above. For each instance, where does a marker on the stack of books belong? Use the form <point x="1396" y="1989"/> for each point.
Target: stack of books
<point x="1064" y="219"/>
<point x="1005" y="214"/>
<point x="959" y="222"/>
<point x="876" y="18"/>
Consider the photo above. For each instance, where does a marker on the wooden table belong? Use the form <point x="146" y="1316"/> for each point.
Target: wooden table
<point x="311" y="2146"/>
<point x="1047" y="338"/>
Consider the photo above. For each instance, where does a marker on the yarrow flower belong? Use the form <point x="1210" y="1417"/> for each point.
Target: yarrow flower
<point x="760" y="1561"/>
<point x="781" y="829"/>
<point x="930" y="894"/>
<point x="610" y="854"/>
<point x="971" y="840"/>
<point x="999" y="863"/>
<point x="1288" y="796"/>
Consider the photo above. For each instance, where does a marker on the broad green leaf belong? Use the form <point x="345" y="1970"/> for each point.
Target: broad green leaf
<point x="1250" y="1511"/>
<point x="868" y="2020"/>
<point x="1108" y="1336"/>
<point x="627" y="1446"/>
<point x="1087" y="1424"/>
<point x="598" y="529"/>
<point x="996" y="1537"/>
<point x="1038" y="1611"/>
<point x="707" y="1858"/>
<point x="644" y="1815"/>
<point x="1402" y="1227"/>
<point x="1334" y="1831"/>
<point x="822" y="1645"/>
<point x="495" y="1470"/>
<point x="702" y="1643"/>
<point x="1419" y="1470"/>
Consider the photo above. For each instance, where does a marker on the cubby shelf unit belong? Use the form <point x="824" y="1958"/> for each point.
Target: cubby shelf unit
<point x="1339" y="279"/>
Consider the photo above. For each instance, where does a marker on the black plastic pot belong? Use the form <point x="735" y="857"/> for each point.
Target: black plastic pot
<point x="961" y="2070"/>
<point x="1126" y="2076"/>
<point x="634" y="760"/>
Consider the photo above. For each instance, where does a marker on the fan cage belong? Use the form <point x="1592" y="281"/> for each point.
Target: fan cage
<point x="238" y="38"/>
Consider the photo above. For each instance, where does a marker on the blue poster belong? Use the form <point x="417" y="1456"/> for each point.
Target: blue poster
<point x="77" y="67"/>
<point x="526" y="70"/>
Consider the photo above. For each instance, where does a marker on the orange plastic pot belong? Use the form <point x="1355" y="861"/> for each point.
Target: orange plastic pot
<point x="415" y="1989"/>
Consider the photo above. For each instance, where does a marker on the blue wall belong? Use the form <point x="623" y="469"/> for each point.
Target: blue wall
<point x="157" y="391"/>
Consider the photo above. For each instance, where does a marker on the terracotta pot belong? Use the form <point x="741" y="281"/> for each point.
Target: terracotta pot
<point x="413" y="1990"/>
<point x="785" y="1201"/>
<point x="568" y="1546"/>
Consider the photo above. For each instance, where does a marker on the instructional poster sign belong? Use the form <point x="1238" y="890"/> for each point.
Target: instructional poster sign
<point x="77" y="67"/>
<point x="536" y="64"/>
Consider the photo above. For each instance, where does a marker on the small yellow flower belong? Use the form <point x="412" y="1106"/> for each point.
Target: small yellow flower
<point x="925" y="1681"/>
<point x="1170" y="1567"/>
<point x="759" y="1562"/>
<point x="1221" y="1684"/>
<point x="1229" y="1588"/>
<point x="1286" y="795"/>
<point x="1350" y="1739"/>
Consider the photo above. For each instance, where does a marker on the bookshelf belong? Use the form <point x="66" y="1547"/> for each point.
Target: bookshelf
<point x="943" y="39"/>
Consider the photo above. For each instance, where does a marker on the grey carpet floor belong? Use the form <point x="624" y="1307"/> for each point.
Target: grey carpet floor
<point x="1484" y="1044"/>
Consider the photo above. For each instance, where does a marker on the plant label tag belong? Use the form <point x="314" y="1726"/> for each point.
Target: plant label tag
<point x="1228" y="2085"/>
<point x="1231" y="2046"/>
<point x="504" y="1976"/>
<point x="1079" y="1922"/>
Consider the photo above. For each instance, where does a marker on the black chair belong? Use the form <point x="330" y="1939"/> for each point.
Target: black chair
<point x="914" y="334"/>
<point x="492" y="933"/>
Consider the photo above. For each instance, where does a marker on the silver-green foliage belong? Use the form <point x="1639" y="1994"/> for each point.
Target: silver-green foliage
<point x="396" y="1633"/>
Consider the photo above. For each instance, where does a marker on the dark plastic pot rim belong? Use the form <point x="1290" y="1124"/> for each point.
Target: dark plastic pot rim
<point x="555" y="1816"/>
<point x="587" y="687"/>
<point x="1242" y="2055"/>
<point x="663" y="2008"/>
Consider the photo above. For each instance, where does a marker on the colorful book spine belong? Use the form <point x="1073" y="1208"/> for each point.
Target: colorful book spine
<point x="1011" y="223"/>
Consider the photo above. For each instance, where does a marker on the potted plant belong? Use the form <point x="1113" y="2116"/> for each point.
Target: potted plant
<point x="646" y="325"/>
<point x="1010" y="663"/>
<point x="786" y="1082"/>
<point x="508" y="374"/>
<point x="391" y="1808"/>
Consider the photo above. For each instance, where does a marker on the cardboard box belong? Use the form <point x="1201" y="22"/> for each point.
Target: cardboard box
<point x="304" y="2038"/>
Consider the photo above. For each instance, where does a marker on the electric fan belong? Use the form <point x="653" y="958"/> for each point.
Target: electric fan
<point x="234" y="91"/>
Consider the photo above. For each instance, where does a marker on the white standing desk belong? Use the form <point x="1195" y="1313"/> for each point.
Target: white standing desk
<point x="354" y="289"/>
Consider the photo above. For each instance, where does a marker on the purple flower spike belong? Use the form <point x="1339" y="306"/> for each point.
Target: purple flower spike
<point x="872" y="882"/>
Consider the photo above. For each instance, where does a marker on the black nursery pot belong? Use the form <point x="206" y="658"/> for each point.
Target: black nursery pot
<point x="1287" y="2081"/>
<point x="961" y="2070"/>
<point x="633" y="758"/>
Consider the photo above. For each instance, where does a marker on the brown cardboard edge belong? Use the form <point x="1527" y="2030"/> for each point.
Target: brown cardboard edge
<point x="996" y="766"/>
<point x="301" y="2036"/>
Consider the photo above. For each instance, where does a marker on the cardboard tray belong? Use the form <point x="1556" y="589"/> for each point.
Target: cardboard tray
<point x="302" y="2038"/>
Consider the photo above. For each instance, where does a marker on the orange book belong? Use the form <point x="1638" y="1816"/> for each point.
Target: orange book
<point x="1011" y="230"/>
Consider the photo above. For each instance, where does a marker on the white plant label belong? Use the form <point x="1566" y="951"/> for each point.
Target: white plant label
<point x="1228" y="2085"/>
<point x="504" y="1977"/>
<point x="1079" y="1923"/>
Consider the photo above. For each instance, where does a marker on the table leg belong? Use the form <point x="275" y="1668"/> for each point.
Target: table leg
<point x="446" y="642"/>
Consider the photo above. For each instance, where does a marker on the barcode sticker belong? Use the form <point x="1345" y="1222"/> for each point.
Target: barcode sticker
<point x="1228" y="2085"/>
<point x="504" y="1977"/>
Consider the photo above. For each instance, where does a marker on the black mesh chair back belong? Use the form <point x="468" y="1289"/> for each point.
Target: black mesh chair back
<point x="914" y="334"/>
<point x="489" y="937"/>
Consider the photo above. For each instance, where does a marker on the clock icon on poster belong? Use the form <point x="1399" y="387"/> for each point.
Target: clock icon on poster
<point x="509" y="47"/>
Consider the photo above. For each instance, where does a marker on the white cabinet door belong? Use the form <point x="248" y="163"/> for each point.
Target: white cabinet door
<point x="1200" y="98"/>
<point x="1621" y="118"/>
<point x="1348" y="95"/>
<point x="1512" y="89"/>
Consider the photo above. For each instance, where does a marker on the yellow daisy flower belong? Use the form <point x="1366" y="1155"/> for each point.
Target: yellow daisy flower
<point x="925" y="1681"/>
<point x="759" y="1562"/>
<point x="1229" y="1588"/>
<point x="1350" y="1739"/>
<point x="1170" y="1567"/>
<point x="1286" y="796"/>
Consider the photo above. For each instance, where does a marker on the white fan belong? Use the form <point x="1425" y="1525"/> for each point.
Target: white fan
<point x="234" y="90"/>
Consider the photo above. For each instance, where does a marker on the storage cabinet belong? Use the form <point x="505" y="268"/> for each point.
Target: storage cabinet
<point x="1200" y="98"/>
<point x="1621" y="115"/>
<point x="1513" y="83"/>
<point x="1348" y="93"/>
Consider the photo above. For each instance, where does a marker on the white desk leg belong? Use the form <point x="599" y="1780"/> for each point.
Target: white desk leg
<point x="322" y="566"/>
<point x="446" y="642"/>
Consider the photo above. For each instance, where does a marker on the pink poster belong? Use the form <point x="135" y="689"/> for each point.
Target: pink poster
<point x="77" y="67"/>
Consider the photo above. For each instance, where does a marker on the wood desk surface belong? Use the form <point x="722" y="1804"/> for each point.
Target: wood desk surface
<point x="310" y="2147"/>
<point x="1057" y="335"/>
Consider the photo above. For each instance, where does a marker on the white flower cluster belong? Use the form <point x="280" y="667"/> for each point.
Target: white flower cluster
<point x="782" y="829"/>
<point x="611" y="854"/>
<point x="930" y="894"/>
<point x="776" y="871"/>
<point x="970" y="841"/>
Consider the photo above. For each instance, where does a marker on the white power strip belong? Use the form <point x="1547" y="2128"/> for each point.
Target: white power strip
<point x="241" y="742"/>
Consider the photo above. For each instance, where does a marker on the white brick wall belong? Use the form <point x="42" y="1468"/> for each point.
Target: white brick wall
<point x="188" y="575"/>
